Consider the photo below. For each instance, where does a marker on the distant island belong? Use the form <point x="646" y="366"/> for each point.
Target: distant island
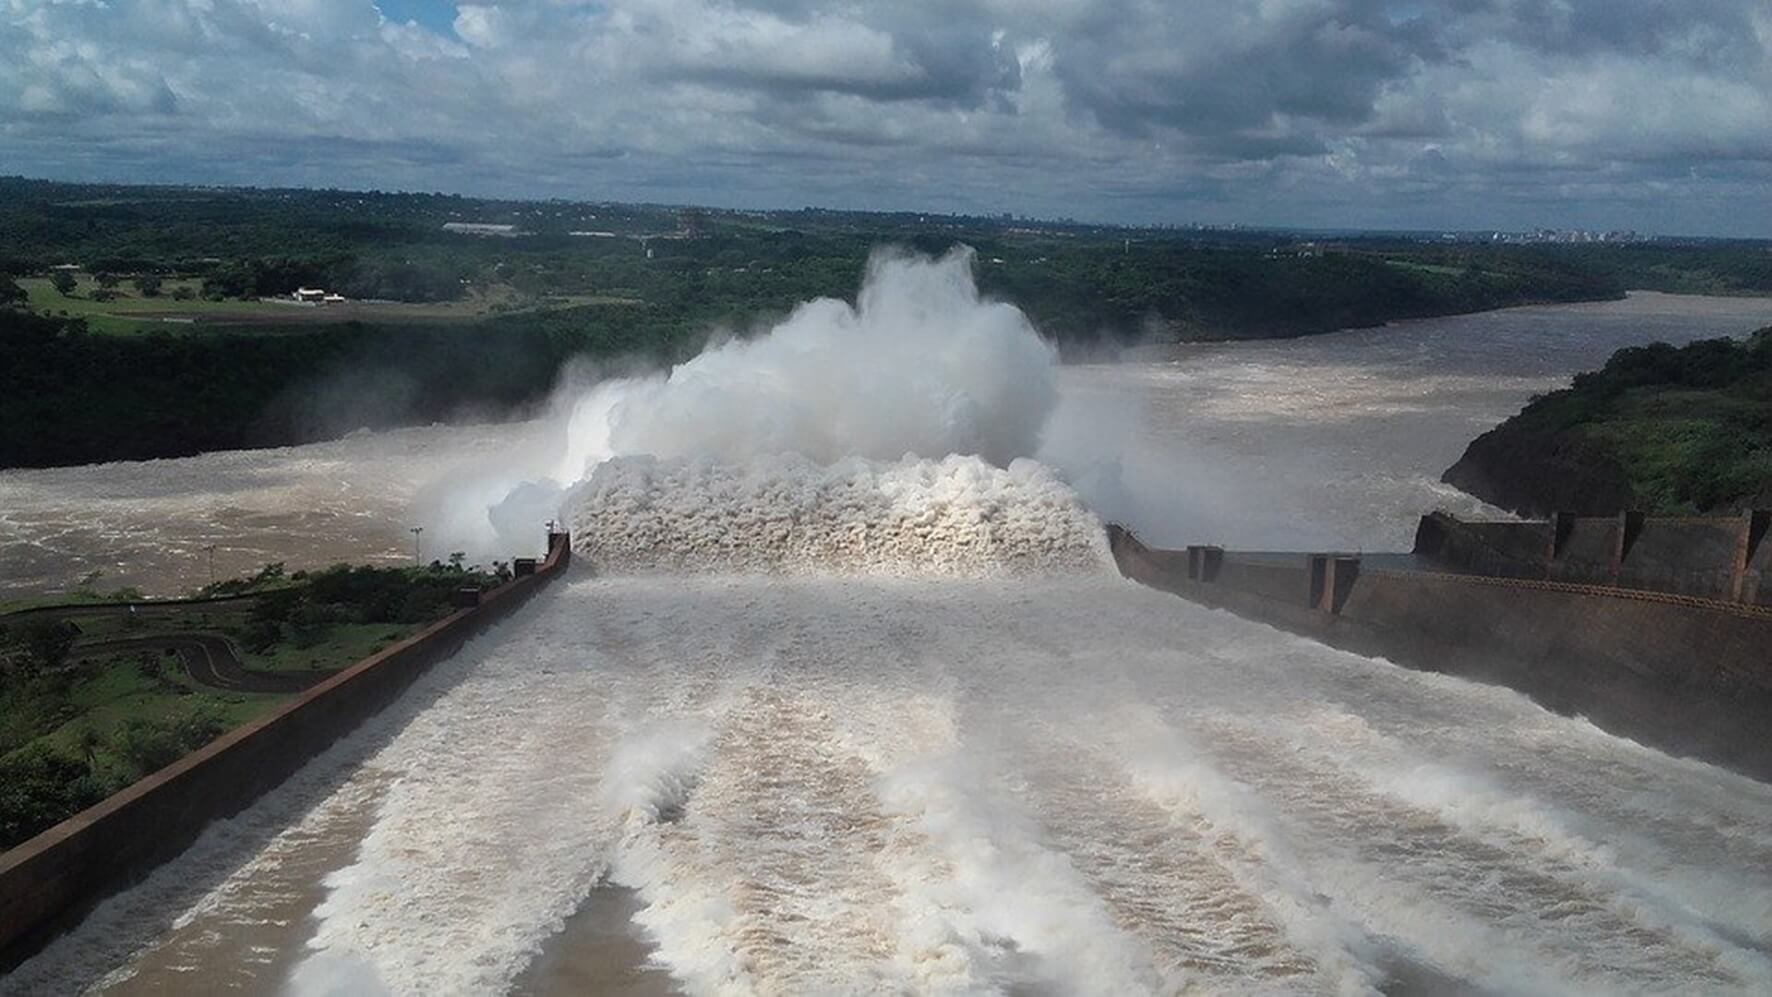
<point x="1657" y="429"/>
<point x="142" y="321"/>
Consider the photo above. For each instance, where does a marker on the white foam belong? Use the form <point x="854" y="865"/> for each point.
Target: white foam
<point x="920" y="364"/>
<point x="956" y="516"/>
<point x="1054" y="783"/>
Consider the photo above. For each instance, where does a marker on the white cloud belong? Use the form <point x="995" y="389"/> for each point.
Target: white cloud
<point x="1326" y="111"/>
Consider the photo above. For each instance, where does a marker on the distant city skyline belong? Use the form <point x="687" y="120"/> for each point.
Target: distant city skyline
<point x="1598" y="115"/>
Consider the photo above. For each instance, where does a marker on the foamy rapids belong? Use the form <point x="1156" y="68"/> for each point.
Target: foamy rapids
<point x="891" y="435"/>
<point x="956" y="516"/>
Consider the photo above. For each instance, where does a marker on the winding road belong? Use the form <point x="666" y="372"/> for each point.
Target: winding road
<point x="210" y="661"/>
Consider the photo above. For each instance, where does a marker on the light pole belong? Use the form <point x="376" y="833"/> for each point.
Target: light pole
<point x="211" y="550"/>
<point x="417" y="557"/>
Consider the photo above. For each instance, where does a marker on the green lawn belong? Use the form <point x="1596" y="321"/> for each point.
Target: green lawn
<point x="51" y="599"/>
<point x="325" y="646"/>
<point x="121" y="313"/>
<point x="328" y="646"/>
<point x="115" y="689"/>
<point x="107" y="691"/>
<point x="130" y="312"/>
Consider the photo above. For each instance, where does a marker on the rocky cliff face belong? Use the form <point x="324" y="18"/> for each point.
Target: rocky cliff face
<point x="1537" y="473"/>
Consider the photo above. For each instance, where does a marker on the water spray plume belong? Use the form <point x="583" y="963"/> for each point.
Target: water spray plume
<point x="920" y="368"/>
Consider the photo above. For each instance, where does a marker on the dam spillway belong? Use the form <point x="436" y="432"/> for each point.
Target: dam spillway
<point x="1059" y="783"/>
<point x="1036" y="780"/>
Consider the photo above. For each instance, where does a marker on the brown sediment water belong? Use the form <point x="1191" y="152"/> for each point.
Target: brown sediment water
<point x="246" y="938"/>
<point x="169" y="526"/>
<point x="1063" y="783"/>
<point x="1335" y="441"/>
<point x="599" y="950"/>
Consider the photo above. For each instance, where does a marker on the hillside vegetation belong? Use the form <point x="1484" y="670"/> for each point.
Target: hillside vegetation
<point x="1660" y="429"/>
<point x="144" y="322"/>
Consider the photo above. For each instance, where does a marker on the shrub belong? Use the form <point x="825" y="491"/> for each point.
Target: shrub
<point x="39" y="788"/>
<point x="149" y="745"/>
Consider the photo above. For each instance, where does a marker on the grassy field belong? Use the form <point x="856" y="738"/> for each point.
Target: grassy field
<point x="53" y="599"/>
<point x="112" y="689"/>
<point x="1426" y="267"/>
<point x="131" y="312"/>
<point x="321" y="647"/>
<point x="328" y="647"/>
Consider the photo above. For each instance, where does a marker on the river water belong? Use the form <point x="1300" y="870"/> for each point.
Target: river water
<point x="1328" y="441"/>
<point x="675" y="776"/>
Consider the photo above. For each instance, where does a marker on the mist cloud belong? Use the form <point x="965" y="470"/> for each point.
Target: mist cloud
<point x="919" y="366"/>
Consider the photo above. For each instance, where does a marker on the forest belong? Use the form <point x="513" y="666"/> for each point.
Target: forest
<point x="151" y="327"/>
<point x="1662" y="429"/>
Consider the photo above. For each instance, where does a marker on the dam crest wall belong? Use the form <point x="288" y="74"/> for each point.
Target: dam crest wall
<point x="1680" y="667"/>
<point x="1712" y="557"/>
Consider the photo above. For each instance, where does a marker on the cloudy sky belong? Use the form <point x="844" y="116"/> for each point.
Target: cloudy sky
<point x="1646" y="114"/>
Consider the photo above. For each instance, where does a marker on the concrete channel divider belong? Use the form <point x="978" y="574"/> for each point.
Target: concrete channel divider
<point x="49" y="882"/>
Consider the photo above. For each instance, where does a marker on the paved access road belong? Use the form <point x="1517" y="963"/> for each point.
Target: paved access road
<point x="210" y="661"/>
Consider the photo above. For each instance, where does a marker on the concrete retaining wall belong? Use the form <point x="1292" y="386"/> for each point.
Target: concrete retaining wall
<point x="1756" y="582"/>
<point x="1718" y="557"/>
<point x="1692" y="676"/>
<point x="50" y="881"/>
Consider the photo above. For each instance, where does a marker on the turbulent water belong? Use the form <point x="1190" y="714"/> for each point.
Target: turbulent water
<point x="882" y="725"/>
<point x="1054" y="784"/>
<point x="1330" y="441"/>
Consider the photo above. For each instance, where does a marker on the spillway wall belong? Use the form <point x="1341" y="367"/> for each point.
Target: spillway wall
<point x="1713" y="557"/>
<point x="51" y="880"/>
<point x="1690" y="675"/>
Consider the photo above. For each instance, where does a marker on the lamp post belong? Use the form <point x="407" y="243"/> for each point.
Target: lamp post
<point x="211" y="551"/>
<point x="417" y="556"/>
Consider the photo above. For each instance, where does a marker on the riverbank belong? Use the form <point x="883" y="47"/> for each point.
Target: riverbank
<point x="1658" y="429"/>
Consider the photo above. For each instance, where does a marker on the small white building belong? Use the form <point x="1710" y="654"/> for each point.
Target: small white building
<point x="313" y="294"/>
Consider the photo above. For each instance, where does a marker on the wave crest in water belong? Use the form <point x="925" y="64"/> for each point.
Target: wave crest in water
<point x="789" y="515"/>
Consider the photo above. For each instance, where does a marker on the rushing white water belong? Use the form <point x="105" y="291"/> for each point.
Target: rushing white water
<point x="888" y="724"/>
<point x="957" y="516"/>
<point x="1061" y="783"/>
<point x="919" y="366"/>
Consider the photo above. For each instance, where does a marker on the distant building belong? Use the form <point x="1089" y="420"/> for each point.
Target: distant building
<point x="333" y="298"/>
<point x="313" y="294"/>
